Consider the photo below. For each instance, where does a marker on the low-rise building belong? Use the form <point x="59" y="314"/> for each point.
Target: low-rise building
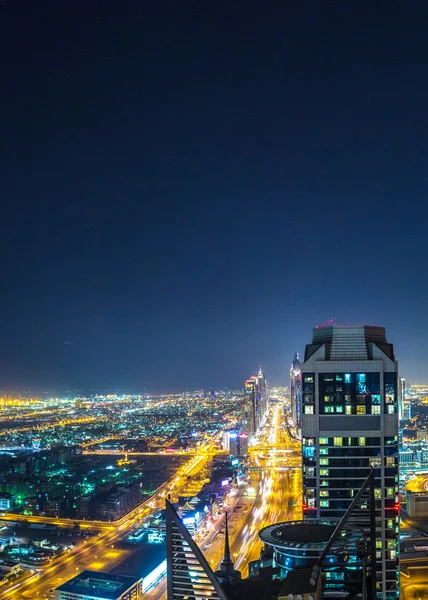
<point x="93" y="585"/>
<point x="417" y="504"/>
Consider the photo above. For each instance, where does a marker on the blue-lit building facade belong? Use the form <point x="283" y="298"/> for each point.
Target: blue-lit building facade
<point x="350" y="425"/>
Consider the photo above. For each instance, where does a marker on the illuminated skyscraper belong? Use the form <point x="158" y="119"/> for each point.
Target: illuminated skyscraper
<point x="349" y="426"/>
<point x="255" y="403"/>
<point x="296" y="391"/>
<point x="404" y="404"/>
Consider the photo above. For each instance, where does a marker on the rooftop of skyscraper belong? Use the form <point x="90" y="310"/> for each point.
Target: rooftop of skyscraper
<point x="349" y="341"/>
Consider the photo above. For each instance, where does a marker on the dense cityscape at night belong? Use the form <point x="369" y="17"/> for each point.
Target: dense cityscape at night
<point x="213" y="350"/>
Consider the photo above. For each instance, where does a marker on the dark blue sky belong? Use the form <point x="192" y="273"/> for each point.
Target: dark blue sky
<point x="189" y="187"/>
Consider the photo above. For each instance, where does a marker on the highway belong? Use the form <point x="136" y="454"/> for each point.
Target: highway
<point x="99" y="552"/>
<point x="276" y="478"/>
<point x="278" y="483"/>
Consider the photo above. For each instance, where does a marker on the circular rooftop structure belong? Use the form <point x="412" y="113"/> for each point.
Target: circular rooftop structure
<point x="300" y="544"/>
<point x="308" y="535"/>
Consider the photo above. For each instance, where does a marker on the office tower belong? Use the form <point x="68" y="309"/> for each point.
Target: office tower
<point x="263" y="396"/>
<point x="349" y="426"/>
<point x="188" y="573"/>
<point x="405" y="402"/>
<point x="296" y="391"/>
<point x="401" y="399"/>
<point x="255" y="403"/>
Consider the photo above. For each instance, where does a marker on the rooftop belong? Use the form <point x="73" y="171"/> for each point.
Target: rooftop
<point x="304" y="534"/>
<point x="103" y="586"/>
<point x="354" y="342"/>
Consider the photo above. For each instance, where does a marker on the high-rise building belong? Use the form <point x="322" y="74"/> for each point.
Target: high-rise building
<point x="406" y="411"/>
<point x="188" y="573"/>
<point x="296" y="391"/>
<point x="401" y="398"/>
<point x="255" y="403"/>
<point x="350" y="426"/>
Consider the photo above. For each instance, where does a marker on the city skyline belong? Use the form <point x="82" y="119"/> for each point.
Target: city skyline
<point x="189" y="189"/>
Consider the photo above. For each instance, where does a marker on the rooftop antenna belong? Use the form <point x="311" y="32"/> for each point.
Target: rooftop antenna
<point x="331" y="321"/>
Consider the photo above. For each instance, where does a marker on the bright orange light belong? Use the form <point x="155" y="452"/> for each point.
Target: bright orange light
<point x="97" y="565"/>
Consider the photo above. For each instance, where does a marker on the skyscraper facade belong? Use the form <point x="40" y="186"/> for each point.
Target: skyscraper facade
<point x="349" y="426"/>
<point x="404" y="405"/>
<point x="255" y="403"/>
<point x="296" y="391"/>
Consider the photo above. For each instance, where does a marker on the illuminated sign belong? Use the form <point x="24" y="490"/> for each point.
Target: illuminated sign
<point x="188" y="520"/>
<point x="225" y="482"/>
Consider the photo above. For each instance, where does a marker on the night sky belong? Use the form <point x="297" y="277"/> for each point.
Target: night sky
<point x="189" y="187"/>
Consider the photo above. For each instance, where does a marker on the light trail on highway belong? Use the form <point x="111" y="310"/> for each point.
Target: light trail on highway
<point x="278" y="483"/>
<point x="98" y="550"/>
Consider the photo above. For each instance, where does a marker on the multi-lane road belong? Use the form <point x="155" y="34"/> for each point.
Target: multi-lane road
<point x="275" y="475"/>
<point x="99" y="552"/>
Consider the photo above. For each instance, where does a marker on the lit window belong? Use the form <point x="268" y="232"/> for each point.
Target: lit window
<point x="323" y="441"/>
<point x="324" y="451"/>
<point x="348" y="378"/>
<point x="339" y="409"/>
<point x="324" y="503"/>
<point x="378" y="544"/>
<point x="392" y="554"/>
<point x="329" y="409"/>
<point x="324" y="493"/>
<point x="390" y="524"/>
<point x="361" y="441"/>
<point x="324" y="472"/>
<point x="361" y="410"/>
<point x="378" y="493"/>
<point x="348" y="410"/>
<point x="311" y="503"/>
<point x="337" y="441"/>
<point x="391" y="409"/>
<point x="323" y="461"/>
<point x="323" y="483"/>
<point x="375" y="409"/>
<point x="378" y="553"/>
<point x="309" y="410"/>
<point x="390" y="461"/>
<point x="390" y="493"/>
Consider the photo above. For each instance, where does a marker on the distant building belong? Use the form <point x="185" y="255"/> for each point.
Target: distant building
<point x="6" y="501"/>
<point x="417" y="504"/>
<point x="296" y="391"/>
<point x="102" y="586"/>
<point x="406" y="457"/>
<point x="422" y="456"/>
<point x="349" y="427"/>
<point x="255" y="403"/>
<point x="403" y="412"/>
